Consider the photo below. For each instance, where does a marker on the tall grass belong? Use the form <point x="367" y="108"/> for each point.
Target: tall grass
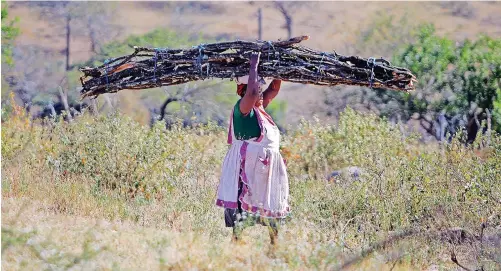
<point x="112" y="168"/>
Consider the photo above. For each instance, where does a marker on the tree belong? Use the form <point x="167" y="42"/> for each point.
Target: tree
<point x="287" y="9"/>
<point x="93" y="19"/>
<point x="496" y="114"/>
<point x="458" y="82"/>
<point x="98" y="21"/>
<point x="76" y="18"/>
<point x="386" y="33"/>
<point x="9" y="34"/>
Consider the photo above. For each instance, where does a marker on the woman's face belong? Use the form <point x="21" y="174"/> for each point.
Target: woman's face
<point x="259" y="102"/>
<point x="243" y="89"/>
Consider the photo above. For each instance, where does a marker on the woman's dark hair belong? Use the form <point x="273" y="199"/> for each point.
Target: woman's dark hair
<point x="241" y="89"/>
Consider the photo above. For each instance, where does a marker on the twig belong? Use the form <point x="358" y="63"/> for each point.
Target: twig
<point x="455" y="260"/>
<point x="375" y="247"/>
<point x="395" y="262"/>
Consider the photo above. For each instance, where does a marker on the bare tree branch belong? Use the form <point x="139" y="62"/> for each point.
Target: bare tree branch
<point x="281" y="6"/>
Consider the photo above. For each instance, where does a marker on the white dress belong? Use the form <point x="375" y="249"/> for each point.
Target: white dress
<point x="260" y="167"/>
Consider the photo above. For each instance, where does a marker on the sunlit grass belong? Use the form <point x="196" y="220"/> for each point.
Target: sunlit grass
<point x="149" y="194"/>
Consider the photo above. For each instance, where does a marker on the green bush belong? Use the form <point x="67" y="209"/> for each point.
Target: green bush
<point x="277" y="109"/>
<point x="9" y="33"/>
<point x="452" y="77"/>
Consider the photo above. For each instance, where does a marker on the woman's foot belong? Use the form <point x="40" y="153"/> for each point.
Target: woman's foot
<point x="237" y="234"/>
<point x="274" y="242"/>
<point x="273" y="235"/>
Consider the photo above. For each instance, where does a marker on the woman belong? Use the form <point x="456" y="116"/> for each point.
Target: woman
<point x="254" y="186"/>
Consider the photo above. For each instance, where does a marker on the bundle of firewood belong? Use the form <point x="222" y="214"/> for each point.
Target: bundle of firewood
<point x="285" y="60"/>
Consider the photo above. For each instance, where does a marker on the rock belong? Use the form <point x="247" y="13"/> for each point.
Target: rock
<point x="353" y="173"/>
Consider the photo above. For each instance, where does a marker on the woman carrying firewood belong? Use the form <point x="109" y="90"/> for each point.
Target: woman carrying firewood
<point x="254" y="187"/>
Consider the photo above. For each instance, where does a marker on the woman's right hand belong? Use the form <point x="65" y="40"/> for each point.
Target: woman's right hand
<point x="254" y="59"/>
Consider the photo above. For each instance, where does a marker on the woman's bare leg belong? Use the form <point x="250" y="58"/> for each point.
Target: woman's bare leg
<point x="237" y="232"/>
<point x="273" y="235"/>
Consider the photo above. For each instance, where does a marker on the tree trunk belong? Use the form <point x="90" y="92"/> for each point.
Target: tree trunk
<point x="64" y="100"/>
<point x="442" y="124"/>
<point x="288" y="24"/>
<point x="92" y="41"/>
<point x="260" y="24"/>
<point x="472" y="128"/>
<point x="93" y="107"/>
<point x="52" y="110"/>
<point x="68" y="36"/>
<point x="92" y="36"/>
<point x="287" y="16"/>
<point x="489" y="126"/>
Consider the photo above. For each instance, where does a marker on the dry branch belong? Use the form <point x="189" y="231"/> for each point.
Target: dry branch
<point x="285" y="60"/>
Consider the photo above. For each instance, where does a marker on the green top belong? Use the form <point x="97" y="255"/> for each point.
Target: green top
<point x="245" y="127"/>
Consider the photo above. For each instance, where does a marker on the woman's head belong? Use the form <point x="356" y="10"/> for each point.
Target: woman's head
<point x="242" y="88"/>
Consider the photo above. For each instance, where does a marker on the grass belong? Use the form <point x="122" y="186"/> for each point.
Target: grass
<point x="107" y="193"/>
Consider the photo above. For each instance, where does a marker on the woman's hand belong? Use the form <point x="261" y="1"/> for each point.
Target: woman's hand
<point x="254" y="60"/>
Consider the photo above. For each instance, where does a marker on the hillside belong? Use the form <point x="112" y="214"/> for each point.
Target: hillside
<point x="124" y="189"/>
<point x="331" y="25"/>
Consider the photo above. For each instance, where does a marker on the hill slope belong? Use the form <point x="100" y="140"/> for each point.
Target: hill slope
<point x="331" y="25"/>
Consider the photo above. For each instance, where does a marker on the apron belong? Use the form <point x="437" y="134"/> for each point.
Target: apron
<point x="261" y="169"/>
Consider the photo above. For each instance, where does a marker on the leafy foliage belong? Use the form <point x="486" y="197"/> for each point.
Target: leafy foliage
<point x="497" y="106"/>
<point x="455" y="80"/>
<point x="428" y="58"/>
<point x="477" y="75"/>
<point x="386" y="34"/>
<point x="9" y="33"/>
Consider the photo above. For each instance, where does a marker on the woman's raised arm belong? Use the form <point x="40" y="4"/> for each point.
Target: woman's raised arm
<point x="252" y="93"/>
<point x="271" y="92"/>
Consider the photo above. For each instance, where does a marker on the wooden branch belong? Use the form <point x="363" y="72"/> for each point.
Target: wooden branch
<point x="455" y="260"/>
<point x="285" y="60"/>
<point x="164" y="106"/>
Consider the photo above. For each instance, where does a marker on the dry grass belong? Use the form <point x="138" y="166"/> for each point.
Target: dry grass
<point x="128" y="246"/>
<point x="107" y="193"/>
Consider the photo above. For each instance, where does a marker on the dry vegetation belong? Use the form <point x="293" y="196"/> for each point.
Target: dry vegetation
<point x="107" y="193"/>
